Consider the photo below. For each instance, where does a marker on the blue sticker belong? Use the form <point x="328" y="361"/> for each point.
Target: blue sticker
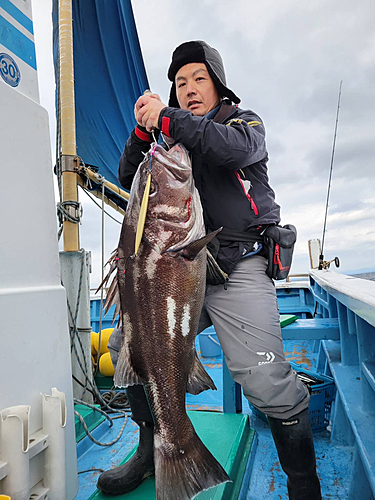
<point x="9" y="70"/>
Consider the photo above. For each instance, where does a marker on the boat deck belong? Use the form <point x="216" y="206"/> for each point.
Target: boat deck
<point x="265" y="479"/>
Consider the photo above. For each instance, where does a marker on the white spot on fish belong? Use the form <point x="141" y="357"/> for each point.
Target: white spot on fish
<point x="171" y="314"/>
<point x="127" y="327"/>
<point x="157" y="441"/>
<point x="151" y="264"/>
<point x="182" y="452"/>
<point x="164" y="235"/>
<point x="185" y="324"/>
<point x="165" y="209"/>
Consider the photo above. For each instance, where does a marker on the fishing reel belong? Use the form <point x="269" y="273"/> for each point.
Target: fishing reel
<point x="325" y="264"/>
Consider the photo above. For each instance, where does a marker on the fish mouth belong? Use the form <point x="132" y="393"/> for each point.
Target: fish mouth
<point x="176" y="162"/>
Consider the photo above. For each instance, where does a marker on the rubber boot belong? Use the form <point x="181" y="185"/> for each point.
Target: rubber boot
<point x="129" y="476"/>
<point x="295" y="447"/>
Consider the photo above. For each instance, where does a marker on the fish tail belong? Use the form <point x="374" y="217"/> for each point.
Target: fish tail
<point x="199" y="380"/>
<point x="183" y="472"/>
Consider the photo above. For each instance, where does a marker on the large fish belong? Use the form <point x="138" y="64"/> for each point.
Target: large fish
<point x="161" y="292"/>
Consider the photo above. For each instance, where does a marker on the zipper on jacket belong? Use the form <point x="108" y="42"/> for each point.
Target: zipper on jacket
<point x="252" y="202"/>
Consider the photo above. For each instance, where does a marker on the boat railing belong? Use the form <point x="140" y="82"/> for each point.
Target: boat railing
<point x="351" y="362"/>
<point x="294" y="297"/>
<point x="293" y="277"/>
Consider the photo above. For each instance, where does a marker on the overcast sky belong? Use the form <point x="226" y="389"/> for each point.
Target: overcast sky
<point x="285" y="60"/>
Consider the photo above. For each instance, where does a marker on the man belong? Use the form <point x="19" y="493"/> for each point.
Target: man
<point x="229" y="158"/>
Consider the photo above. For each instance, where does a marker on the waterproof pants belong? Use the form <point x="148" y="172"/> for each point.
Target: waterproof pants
<point x="246" y="319"/>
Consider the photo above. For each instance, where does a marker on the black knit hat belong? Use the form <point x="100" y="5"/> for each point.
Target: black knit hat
<point x="199" y="51"/>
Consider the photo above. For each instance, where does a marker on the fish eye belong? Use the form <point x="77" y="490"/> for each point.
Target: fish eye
<point x="152" y="188"/>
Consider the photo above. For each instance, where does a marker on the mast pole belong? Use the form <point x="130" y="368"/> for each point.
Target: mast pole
<point x="321" y="257"/>
<point x="74" y="262"/>
<point x="68" y="126"/>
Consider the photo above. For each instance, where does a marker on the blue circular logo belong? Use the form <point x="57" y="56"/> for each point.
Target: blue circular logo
<point x="9" y="70"/>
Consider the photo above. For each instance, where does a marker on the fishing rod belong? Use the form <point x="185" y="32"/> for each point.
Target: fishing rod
<point x="322" y="263"/>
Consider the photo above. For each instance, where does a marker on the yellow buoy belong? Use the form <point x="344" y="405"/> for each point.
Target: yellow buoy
<point x="106" y="366"/>
<point x="106" y="333"/>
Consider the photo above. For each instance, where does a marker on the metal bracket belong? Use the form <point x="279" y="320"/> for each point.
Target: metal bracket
<point x="69" y="163"/>
<point x="73" y="210"/>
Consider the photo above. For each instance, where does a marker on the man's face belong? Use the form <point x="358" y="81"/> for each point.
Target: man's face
<point x="195" y="89"/>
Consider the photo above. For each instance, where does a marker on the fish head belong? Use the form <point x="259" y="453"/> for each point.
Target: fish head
<point x="174" y="213"/>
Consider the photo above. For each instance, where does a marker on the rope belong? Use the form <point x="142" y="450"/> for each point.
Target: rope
<point x="90" y="470"/>
<point x="63" y="214"/>
<point x="99" y="443"/>
<point x="97" y="204"/>
<point x="111" y="396"/>
<point x="95" y="408"/>
<point x="58" y="143"/>
<point x="74" y="335"/>
<point x="102" y="288"/>
<point x="58" y="125"/>
<point x="99" y="398"/>
<point x="73" y="328"/>
<point x="82" y="385"/>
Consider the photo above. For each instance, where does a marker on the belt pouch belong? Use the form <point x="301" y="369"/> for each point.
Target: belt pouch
<point x="279" y="241"/>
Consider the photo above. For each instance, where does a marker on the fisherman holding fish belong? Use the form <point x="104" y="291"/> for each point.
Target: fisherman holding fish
<point x="229" y="162"/>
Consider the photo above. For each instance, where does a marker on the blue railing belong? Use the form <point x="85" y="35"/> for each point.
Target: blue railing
<point x="351" y="362"/>
<point x="295" y="298"/>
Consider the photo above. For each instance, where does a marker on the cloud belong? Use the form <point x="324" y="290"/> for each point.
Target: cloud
<point x="285" y="60"/>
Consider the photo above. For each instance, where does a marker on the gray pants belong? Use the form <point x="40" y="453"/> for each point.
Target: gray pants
<point x="246" y="319"/>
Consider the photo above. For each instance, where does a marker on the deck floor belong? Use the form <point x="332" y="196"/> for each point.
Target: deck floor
<point x="267" y="479"/>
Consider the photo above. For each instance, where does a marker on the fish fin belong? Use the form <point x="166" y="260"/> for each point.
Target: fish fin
<point x="193" y="249"/>
<point x="125" y="373"/>
<point x="112" y="261"/>
<point x="199" y="380"/>
<point x="183" y="472"/>
<point x="117" y="311"/>
<point x="113" y="293"/>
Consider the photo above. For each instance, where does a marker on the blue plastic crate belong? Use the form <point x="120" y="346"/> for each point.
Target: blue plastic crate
<point x="95" y="316"/>
<point x="209" y="343"/>
<point x="321" y="399"/>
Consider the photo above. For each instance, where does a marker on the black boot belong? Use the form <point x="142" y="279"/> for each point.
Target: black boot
<point x="127" y="477"/>
<point x="295" y="446"/>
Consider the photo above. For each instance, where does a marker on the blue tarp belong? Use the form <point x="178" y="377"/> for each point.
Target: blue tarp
<point x="109" y="76"/>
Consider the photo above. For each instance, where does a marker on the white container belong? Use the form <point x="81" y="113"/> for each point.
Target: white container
<point x="35" y="342"/>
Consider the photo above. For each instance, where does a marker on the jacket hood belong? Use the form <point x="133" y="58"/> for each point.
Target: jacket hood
<point x="199" y="51"/>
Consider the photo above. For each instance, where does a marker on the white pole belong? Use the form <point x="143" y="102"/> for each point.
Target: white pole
<point x="14" y="450"/>
<point x="54" y="422"/>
